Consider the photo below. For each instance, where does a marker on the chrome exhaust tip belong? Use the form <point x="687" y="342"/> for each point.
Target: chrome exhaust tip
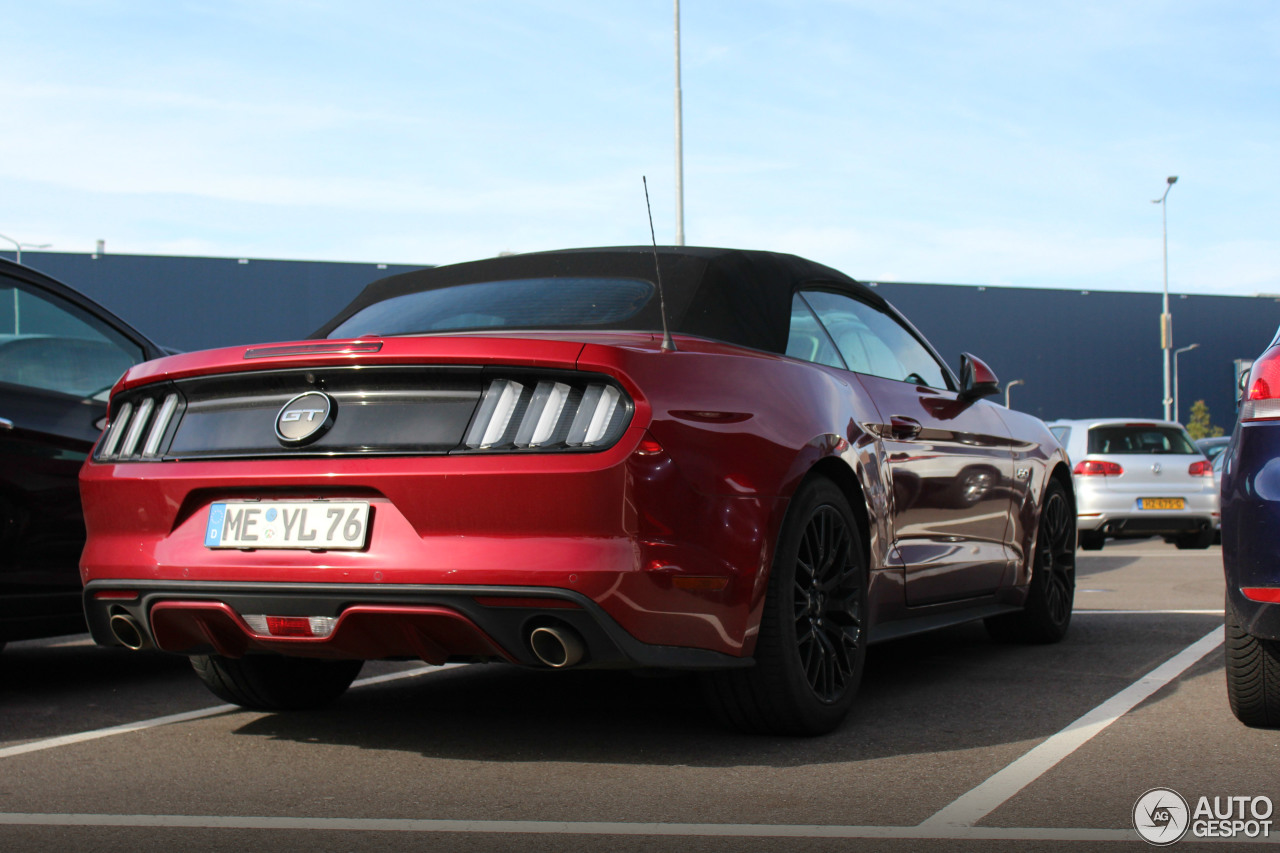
<point x="128" y="632"/>
<point x="557" y="647"/>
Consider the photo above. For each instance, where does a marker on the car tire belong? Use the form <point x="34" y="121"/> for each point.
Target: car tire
<point x="1092" y="540"/>
<point x="1046" y="615"/>
<point x="276" y="683"/>
<point x="811" y="648"/>
<point x="1253" y="675"/>
<point x="1194" y="541"/>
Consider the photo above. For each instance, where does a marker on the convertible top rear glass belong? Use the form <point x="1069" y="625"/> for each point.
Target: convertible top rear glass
<point x="738" y="296"/>
<point x="531" y="303"/>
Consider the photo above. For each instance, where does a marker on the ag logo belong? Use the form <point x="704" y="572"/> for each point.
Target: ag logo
<point x="1161" y="816"/>
<point x="305" y="418"/>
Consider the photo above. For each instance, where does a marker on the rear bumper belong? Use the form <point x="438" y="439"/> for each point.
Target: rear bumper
<point x="435" y="624"/>
<point x="668" y="564"/>
<point x="1260" y="619"/>
<point x="1150" y="524"/>
<point x="1119" y="513"/>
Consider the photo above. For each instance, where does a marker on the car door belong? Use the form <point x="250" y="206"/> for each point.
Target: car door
<point x="951" y="459"/>
<point x="57" y="361"/>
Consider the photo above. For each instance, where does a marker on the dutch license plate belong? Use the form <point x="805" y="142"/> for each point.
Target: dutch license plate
<point x="1162" y="503"/>
<point x="310" y="525"/>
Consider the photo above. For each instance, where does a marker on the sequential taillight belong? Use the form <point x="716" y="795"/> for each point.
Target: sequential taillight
<point x="138" y="428"/>
<point x="1203" y="468"/>
<point x="1262" y="398"/>
<point x="1097" y="468"/>
<point x="548" y="414"/>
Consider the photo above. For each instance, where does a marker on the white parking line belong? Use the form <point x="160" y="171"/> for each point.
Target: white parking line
<point x="125" y="728"/>
<point x="956" y="821"/>
<point x="548" y="827"/>
<point x="991" y="794"/>
<point x="1146" y="552"/>
<point x="1217" y="612"/>
<point x="71" y="644"/>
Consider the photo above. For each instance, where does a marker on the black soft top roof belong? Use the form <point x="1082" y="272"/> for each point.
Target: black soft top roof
<point x="734" y="295"/>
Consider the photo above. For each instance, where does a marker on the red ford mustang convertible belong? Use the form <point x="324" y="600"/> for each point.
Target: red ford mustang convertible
<point x="736" y="462"/>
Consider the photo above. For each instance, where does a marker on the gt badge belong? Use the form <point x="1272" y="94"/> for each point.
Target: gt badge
<point x="305" y="418"/>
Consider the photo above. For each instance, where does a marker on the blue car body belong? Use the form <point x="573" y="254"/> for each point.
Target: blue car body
<point x="1250" y="505"/>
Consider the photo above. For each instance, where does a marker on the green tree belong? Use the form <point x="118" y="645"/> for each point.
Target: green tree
<point x="1198" y="426"/>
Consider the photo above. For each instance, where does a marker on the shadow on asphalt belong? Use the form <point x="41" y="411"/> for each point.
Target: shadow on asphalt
<point x="53" y="691"/>
<point x="950" y="690"/>
<point x="53" y="671"/>
<point x="1096" y="564"/>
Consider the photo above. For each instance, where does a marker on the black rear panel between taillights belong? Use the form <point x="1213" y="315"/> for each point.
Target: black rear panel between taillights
<point x="345" y="410"/>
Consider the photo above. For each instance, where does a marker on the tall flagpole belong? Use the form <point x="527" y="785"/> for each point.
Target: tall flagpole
<point x="679" y="142"/>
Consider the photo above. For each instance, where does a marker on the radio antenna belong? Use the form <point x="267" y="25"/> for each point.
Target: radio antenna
<point x="668" y="345"/>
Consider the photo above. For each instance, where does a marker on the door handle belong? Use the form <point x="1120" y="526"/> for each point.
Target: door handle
<point x="904" y="428"/>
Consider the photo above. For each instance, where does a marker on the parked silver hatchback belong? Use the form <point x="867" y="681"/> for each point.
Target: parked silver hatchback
<point x="1137" y="479"/>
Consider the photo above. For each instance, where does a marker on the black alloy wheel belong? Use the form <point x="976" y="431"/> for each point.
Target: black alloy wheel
<point x="812" y="645"/>
<point x="826" y="593"/>
<point x="1050" y="597"/>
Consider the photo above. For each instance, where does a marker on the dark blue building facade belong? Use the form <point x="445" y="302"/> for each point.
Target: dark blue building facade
<point x="1078" y="353"/>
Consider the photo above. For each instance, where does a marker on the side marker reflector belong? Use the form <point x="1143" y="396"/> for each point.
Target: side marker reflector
<point x="699" y="584"/>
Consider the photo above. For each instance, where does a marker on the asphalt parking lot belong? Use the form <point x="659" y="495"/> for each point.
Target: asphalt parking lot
<point x="957" y="743"/>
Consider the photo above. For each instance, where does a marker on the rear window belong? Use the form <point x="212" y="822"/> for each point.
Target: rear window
<point x="1139" y="438"/>
<point x="527" y="303"/>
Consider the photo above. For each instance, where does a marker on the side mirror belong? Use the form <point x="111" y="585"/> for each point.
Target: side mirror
<point x="976" y="379"/>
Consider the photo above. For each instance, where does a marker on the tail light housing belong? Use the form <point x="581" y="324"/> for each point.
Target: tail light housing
<point x="1097" y="468"/>
<point x="553" y="413"/>
<point x="1262" y="395"/>
<point x="140" y="427"/>
<point x="1203" y="468"/>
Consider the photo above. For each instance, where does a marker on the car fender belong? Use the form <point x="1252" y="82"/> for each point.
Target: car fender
<point x="1038" y="458"/>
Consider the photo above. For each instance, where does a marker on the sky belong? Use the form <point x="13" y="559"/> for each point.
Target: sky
<point x="950" y="141"/>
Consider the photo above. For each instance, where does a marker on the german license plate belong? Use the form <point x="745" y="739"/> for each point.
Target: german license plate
<point x="309" y="525"/>
<point x="1162" y="503"/>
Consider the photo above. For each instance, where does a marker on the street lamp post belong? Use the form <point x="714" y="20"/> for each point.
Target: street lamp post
<point x="679" y="141"/>
<point x="1166" y="321"/>
<point x="18" y="247"/>
<point x="17" y="250"/>
<point x="1008" y="388"/>
<point x="1179" y="351"/>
